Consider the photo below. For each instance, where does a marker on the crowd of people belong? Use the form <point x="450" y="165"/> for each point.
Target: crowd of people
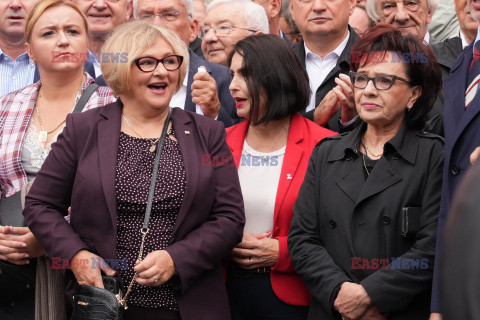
<point x="239" y="159"/>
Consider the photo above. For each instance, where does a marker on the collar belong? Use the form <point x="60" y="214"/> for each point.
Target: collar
<point x="426" y="39"/>
<point x="404" y="143"/>
<point x="464" y="40"/>
<point x="23" y="57"/>
<point x="476" y="39"/>
<point x="337" y="51"/>
<point x="185" y="79"/>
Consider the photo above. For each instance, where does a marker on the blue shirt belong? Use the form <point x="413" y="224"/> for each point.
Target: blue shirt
<point x="16" y="74"/>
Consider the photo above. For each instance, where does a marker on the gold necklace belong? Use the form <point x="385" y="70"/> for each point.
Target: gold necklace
<point x="370" y="151"/>
<point x="153" y="142"/>
<point x="43" y="134"/>
<point x="365" y="165"/>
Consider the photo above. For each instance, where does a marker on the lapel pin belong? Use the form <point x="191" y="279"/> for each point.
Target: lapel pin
<point x="187" y="132"/>
<point x="289" y="176"/>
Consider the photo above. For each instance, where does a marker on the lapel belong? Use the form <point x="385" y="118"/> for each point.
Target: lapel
<point x="455" y="85"/>
<point x="291" y="160"/>
<point x="342" y="66"/>
<point x="347" y="148"/>
<point x="299" y="50"/>
<point x="235" y="138"/>
<point x="190" y="156"/>
<point x="108" y="139"/>
<point x="195" y="62"/>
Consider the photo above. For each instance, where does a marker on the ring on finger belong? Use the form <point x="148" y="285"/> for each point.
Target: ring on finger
<point x="250" y="260"/>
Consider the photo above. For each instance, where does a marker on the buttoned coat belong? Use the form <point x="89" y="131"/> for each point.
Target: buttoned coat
<point x="80" y="172"/>
<point x="344" y="224"/>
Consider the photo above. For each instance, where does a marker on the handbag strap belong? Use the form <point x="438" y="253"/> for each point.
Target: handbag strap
<point x="148" y="210"/>
<point x="92" y="87"/>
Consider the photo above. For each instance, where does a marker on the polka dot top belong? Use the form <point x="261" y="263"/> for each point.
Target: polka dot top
<point x="133" y="176"/>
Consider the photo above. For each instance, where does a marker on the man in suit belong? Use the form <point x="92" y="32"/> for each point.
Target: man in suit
<point x="227" y="22"/>
<point x="461" y="123"/>
<point x="16" y="67"/>
<point x="202" y="92"/>
<point x="103" y="17"/>
<point x="411" y="17"/>
<point x="325" y="53"/>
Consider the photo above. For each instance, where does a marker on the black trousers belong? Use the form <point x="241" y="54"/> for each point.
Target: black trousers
<point x="19" y="309"/>
<point x="251" y="297"/>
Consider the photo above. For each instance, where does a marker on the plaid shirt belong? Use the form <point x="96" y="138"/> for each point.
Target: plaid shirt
<point x="16" y="109"/>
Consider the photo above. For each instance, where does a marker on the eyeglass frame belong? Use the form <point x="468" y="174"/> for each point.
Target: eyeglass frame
<point x="214" y="28"/>
<point x="373" y="79"/>
<point x="137" y="62"/>
<point x="163" y="14"/>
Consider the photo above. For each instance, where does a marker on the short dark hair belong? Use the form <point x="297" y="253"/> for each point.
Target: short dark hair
<point x="271" y="67"/>
<point x="421" y="68"/>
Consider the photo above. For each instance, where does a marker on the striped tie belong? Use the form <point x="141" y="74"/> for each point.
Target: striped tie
<point x="473" y="76"/>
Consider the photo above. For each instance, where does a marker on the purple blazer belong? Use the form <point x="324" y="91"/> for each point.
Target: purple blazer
<point x="80" y="172"/>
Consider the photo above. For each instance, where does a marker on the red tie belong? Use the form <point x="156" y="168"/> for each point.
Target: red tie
<point x="473" y="76"/>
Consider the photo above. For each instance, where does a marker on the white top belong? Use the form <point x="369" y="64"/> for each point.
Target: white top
<point x="178" y="99"/>
<point x="318" y="68"/>
<point x="259" y="175"/>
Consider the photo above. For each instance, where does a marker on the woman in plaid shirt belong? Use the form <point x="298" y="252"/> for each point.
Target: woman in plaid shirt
<point x="31" y="118"/>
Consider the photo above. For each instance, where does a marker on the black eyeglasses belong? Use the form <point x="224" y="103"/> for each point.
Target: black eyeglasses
<point x="149" y="64"/>
<point x="384" y="82"/>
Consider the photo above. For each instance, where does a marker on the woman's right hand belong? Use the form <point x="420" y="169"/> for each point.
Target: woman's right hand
<point x="87" y="268"/>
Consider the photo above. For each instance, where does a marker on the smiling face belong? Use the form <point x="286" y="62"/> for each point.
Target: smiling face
<point x="104" y="15"/>
<point x="58" y="40"/>
<point x="238" y="87"/>
<point x="153" y="90"/>
<point x="467" y="24"/>
<point x="385" y="108"/>
<point x="184" y="26"/>
<point x="322" y="17"/>
<point x="13" y="14"/>
<point x="410" y="16"/>
<point x="217" y="49"/>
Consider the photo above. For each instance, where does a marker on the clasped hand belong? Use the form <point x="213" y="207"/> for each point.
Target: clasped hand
<point x="204" y="93"/>
<point x="18" y="245"/>
<point x="353" y="303"/>
<point x="256" y="250"/>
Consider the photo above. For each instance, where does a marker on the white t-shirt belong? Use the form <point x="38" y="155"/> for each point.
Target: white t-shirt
<point x="259" y="175"/>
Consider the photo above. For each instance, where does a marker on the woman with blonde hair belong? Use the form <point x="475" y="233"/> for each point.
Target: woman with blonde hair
<point x="143" y="203"/>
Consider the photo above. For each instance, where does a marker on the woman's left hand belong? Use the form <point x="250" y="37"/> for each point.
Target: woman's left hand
<point x="256" y="250"/>
<point x="156" y="269"/>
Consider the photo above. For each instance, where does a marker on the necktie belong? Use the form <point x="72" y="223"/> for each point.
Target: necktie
<point x="473" y="76"/>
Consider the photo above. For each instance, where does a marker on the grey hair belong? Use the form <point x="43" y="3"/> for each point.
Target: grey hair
<point x="254" y="14"/>
<point x="288" y="16"/>
<point x="371" y="7"/>
<point x="187" y="3"/>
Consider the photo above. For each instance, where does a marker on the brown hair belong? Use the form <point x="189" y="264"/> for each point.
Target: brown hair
<point x="43" y="5"/>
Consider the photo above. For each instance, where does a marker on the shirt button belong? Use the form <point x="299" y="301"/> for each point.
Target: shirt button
<point x="455" y="169"/>
<point x="386" y="220"/>
<point x="333" y="224"/>
<point x="14" y="78"/>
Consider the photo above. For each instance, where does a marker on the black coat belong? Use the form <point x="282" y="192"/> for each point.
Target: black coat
<point x="343" y="66"/>
<point x="341" y="216"/>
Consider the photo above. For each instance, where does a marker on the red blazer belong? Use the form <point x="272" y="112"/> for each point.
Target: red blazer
<point x="302" y="138"/>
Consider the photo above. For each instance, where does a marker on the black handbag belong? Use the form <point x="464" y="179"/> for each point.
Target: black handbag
<point x="92" y="303"/>
<point x="98" y="304"/>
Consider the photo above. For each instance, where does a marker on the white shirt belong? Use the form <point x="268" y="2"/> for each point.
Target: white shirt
<point x="318" y="68"/>
<point x="464" y="40"/>
<point x="426" y="39"/>
<point x="178" y="99"/>
<point x="259" y="174"/>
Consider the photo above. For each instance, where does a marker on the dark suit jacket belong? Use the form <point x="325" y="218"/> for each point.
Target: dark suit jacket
<point x="302" y="138"/>
<point x="196" y="46"/>
<point x="343" y="66"/>
<point x="228" y="111"/>
<point x="459" y="266"/>
<point x="339" y="216"/>
<point x="80" y="172"/>
<point x="462" y="136"/>
<point x="446" y="53"/>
